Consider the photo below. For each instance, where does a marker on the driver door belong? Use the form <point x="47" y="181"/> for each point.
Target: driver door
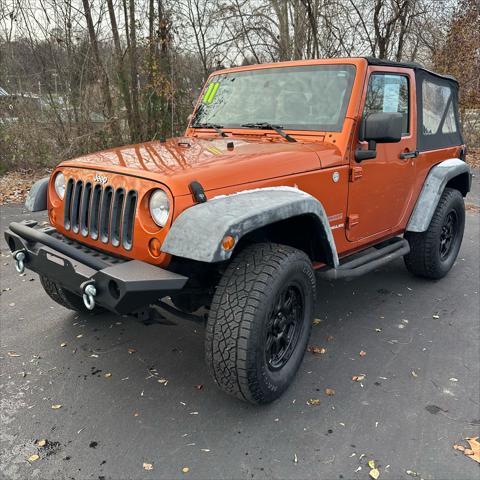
<point x="380" y="188"/>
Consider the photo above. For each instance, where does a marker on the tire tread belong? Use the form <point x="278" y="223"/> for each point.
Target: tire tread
<point x="236" y="300"/>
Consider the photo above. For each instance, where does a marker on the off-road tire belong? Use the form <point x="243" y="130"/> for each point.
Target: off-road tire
<point x="66" y="298"/>
<point x="425" y="258"/>
<point x="239" y="322"/>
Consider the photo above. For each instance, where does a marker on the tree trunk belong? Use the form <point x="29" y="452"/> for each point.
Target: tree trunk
<point x="137" y="130"/>
<point x="121" y="75"/>
<point x="107" y="97"/>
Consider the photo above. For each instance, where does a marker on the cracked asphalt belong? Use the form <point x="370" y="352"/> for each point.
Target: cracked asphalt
<point x="419" y="397"/>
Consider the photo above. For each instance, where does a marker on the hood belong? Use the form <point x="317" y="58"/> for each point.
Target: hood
<point x="214" y="162"/>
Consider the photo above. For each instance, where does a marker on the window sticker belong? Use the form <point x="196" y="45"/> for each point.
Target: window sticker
<point x="207" y="93"/>
<point x="211" y="92"/>
<point x="391" y="95"/>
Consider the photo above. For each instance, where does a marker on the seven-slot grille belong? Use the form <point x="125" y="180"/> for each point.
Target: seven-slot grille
<point x="100" y="212"/>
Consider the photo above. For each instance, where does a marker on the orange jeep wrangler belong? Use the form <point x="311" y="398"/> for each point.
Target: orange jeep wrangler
<point x="336" y="166"/>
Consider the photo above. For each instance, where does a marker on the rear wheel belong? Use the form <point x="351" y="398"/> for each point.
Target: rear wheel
<point x="66" y="298"/>
<point x="433" y="253"/>
<point x="260" y="321"/>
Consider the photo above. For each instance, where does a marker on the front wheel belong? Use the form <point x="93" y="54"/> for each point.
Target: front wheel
<point x="260" y="322"/>
<point x="433" y="253"/>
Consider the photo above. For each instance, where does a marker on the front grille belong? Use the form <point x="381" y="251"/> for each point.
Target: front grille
<point x="104" y="214"/>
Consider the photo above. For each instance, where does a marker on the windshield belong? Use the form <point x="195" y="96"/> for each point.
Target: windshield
<point x="313" y="97"/>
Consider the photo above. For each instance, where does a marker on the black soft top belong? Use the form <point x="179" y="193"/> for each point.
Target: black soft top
<point x="414" y="65"/>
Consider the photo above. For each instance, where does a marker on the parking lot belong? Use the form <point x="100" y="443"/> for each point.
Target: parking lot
<point x="130" y="392"/>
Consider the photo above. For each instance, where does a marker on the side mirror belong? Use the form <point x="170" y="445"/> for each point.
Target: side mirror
<point x="379" y="127"/>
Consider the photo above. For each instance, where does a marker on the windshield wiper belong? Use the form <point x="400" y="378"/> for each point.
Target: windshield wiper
<point x="270" y="126"/>
<point x="217" y="128"/>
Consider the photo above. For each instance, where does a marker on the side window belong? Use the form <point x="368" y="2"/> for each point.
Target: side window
<point x="388" y="93"/>
<point x="438" y="113"/>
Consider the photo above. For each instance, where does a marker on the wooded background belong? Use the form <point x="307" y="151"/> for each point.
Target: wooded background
<point x="82" y="75"/>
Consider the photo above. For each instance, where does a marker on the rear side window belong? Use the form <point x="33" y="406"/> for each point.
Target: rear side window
<point x="388" y="93"/>
<point x="437" y="107"/>
<point x="438" y="114"/>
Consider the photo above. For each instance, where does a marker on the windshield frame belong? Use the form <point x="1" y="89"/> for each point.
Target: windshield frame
<point x="307" y="128"/>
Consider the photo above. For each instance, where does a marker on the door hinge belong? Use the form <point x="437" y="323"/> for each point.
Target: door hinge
<point x="356" y="173"/>
<point x="352" y="220"/>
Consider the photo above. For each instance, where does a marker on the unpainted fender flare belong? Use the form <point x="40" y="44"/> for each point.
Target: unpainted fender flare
<point x="37" y="196"/>
<point x="432" y="190"/>
<point x="197" y="233"/>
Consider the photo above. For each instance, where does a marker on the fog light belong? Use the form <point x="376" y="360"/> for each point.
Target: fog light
<point x="228" y="242"/>
<point x="154" y="247"/>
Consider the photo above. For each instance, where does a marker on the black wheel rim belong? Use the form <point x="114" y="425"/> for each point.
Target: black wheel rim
<point x="284" y="326"/>
<point x="448" y="234"/>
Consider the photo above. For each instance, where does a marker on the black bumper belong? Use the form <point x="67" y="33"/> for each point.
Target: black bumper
<point x="121" y="286"/>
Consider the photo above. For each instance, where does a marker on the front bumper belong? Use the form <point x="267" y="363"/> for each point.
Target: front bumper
<point x="122" y="286"/>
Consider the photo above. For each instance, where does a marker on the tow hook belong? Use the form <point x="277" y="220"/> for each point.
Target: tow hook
<point x="89" y="293"/>
<point x="20" y="258"/>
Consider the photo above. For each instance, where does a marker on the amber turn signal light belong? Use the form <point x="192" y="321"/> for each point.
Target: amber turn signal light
<point x="228" y="242"/>
<point x="154" y="247"/>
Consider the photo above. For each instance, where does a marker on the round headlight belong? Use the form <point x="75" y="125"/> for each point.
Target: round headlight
<point x="59" y="184"/>
<point x="159" y="207"/>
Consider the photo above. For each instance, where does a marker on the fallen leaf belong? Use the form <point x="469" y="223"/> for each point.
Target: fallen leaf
<point x="147" y="466"/>
<point x="131" y="350"/>
<point x="374" y="473"/>
<point x="108" y="375"/>
<point x="358" y="378"/>
<point x="461" y="448"/>
<point x="185" y="470"/>
<point x="316" y="350"/>
<point x="33" y="458"/>
<point x="163" y="381"/>
<point x="329" y="391"/>
<point x="414" y="374"/>
<point x="317" y="321"/>
<point x="56" y="406"/>
<point x="313" y="401"/>
<point x="362" y="353"/>
<point x="41" y="443"/>
<point x="371" y="463"/>
<point x="13" y="354"/>
<point x="64" y="344"/>
<point x="475" y="447"/>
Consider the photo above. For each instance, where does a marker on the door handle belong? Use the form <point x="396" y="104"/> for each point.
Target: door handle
<point x="405" y="155"/>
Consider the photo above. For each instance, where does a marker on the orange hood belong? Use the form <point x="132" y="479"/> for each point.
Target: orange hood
<point x="210" y="161"/>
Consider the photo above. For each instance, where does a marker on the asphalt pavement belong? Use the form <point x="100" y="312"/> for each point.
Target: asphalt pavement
<point x="137" y="392"/>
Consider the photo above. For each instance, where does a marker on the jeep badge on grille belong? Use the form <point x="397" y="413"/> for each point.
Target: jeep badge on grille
<point x="100" y="179"/>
